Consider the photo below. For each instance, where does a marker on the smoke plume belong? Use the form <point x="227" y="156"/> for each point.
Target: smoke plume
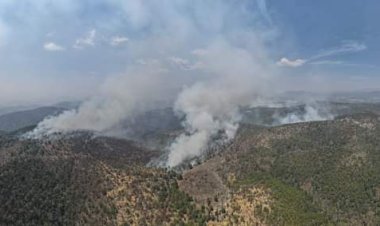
<point x="213" y="107"/>
<point x="207" y="59"/>
<point x="119" y="98"/>
<point x="309" y="113"/>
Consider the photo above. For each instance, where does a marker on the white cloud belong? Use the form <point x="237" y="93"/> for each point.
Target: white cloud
<point x="327" y="62"/>
<point x="51" y="46"/>
<point x="185" y="64"/>
<point x="345" y="47"/>
<point x="285" y="62"/>
<point x="343" y="63"/>
<point x="87" y="40"/>
<point x="118" y="40"/>
<point x="180" y="61"/>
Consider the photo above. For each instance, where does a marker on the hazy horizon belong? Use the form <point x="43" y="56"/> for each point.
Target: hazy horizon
<point x="67" y="50"/>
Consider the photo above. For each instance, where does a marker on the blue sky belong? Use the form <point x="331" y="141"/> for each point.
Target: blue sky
<point x="318" y="25"/>
<point x="64" y="49"/>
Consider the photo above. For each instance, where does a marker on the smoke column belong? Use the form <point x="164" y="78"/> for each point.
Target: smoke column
<point x="119" y="98"/>
<point x="311" y="113"/>
<point x="206" y="58"/>
<point x="212" y="107"/>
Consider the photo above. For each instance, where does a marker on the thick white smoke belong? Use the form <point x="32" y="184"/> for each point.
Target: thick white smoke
<point x="120" y="97"/>
<point x="208" y="58"/>
<point x="311" y="113"/>
<point x="212" y="107"/>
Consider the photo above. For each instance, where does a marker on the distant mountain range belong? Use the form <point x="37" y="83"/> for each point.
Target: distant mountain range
<point x="348" y="97"/>
<point x="20" y="119"/>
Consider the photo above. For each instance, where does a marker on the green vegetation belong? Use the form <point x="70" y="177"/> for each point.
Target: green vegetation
<point x="80" y="180"/>
<point x="36" y="193"/>
<point x="318" y="173"/>
<point x="332" y="166"/>
<point x="291" y="206"/>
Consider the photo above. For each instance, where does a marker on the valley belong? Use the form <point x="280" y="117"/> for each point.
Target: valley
<point x="308" y="173"/>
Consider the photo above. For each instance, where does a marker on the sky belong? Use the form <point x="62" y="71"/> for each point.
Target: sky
<point x="52" y="50"/>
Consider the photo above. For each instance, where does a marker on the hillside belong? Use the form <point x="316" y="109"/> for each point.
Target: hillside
<point x="315" y="173"/>
<point x="269" y="116"/>
<point x="301" y="174"/>
<point x="85" y="180"/>
<point x="20" y="119"/>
